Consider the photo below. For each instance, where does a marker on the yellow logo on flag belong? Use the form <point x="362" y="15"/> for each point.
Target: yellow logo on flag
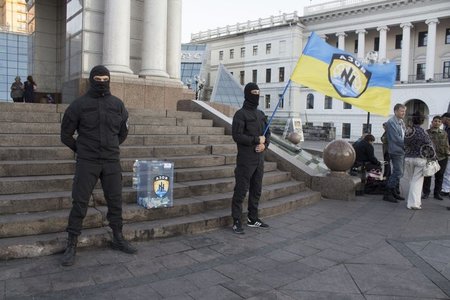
<point x="348" y="76"/>
<point x="161" y="185"/>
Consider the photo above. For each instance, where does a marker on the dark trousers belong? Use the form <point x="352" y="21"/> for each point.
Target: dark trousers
<point x="387" y="166"/>
<point x="248" y="178"/>
<point x="18" y="99"/>
<point x="438" y="179"/>
<point x="87" y="174"/>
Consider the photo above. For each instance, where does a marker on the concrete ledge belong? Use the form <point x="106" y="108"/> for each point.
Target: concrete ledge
<point x="336" y="185"/>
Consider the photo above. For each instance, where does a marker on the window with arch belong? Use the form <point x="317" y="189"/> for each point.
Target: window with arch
<point x="310" y="101"/>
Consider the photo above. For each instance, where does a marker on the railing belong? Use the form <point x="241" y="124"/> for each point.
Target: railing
<point x="438" y="77"/>
<point x="333" y="5"/>
<point x="246" y="26"/>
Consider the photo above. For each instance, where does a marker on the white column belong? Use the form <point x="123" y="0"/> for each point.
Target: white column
<point x="154" y="41"/>
<point x="116" y="36"/>
<point x="406" y="40"/>
<point x="341" y="40"/>
<point x="361" y="43"/>
<point x="174" y="38"/>
<point x="383" y="36"/>
<point x="431" y="48"/>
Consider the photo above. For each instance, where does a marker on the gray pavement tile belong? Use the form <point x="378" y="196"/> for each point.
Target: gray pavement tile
<point x="260" y="263"/>
<point x="318" y="243"/>
<point x="377" y="297"/>
<point x="173" y="287"/>
<point x="301" y="249"/>
<point x="272" y="295"/>
<point x="385" y="255"/>
<point x="65" y="294"/>
<point x="268" y="237"/>
<point x="174" y="246"/>
<point x="148" y="250"/>
<point x="284" y="232"/>
<point x="417" y="246"/>
<point x="311" y="295"/>
<point x="436" y="252"/>
<point x="274" y="278"/>
<point x="199" y="241"/>
<point x="2" y="290"/>
<point x="172" y="273"/>
<point x="203" y="254"/>
<point x="368" y="276"/>
<point x="179" y="297"/>
<point x="412" y="283"/>
<point x="335" y="255"/>
<point x="206" y="278"/>
<point x="317" y="262"/>
<point x="335" y="280"/>
<point x="141" y="292"/>
<point x="345" y="233"/>
<point x="71" y="279"/>
<point x="296" y="269"/>
<point x="247" y="287"/>
<point x="105" y="257"/>
<point x="216" y="292"/>
<point x="144" y="267"/>
<point x="109" y="273"/>
<point x="235" y="270"/>
<point x="21" y="287"/>
<point x="175" y="260"/>
<point x="283" y="256"/>
<point x="302" y="228"/>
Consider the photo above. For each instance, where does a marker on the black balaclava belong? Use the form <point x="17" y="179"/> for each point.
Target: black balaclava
<point x="99" y="88"/>
<point x="251" y="101"/>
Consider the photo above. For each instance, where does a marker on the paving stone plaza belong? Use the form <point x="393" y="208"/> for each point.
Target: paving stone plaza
<point x="362" y="249"/>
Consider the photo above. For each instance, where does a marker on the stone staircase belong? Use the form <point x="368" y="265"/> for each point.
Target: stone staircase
<point x="36" y="172"/>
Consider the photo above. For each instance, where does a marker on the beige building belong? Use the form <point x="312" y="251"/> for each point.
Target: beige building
<point x="413" y="34"/>
<point x="13" y="15"/>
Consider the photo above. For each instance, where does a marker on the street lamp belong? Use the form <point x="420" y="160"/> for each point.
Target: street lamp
<point x="199" y="85"/>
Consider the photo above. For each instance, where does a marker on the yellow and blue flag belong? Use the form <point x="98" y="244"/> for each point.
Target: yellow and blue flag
<point x="340" y="75"/>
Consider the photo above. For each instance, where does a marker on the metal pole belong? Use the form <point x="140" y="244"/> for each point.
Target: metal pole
<point x="368" y="129"/>
<point x="276" y="108"/>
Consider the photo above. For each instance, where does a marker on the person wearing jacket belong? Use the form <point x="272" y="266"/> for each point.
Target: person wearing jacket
<point x="17" y="90"/>
<point x="365" y="153"/>
<point x="440" y="142"/>
<point x="248" y="128"/>
<point x="100" y="119"/>
<point x="395" y="132"/>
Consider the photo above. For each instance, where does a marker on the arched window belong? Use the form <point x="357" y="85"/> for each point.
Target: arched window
<point x="310" y="101"/>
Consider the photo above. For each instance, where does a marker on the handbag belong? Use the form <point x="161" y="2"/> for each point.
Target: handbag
<point x="431" y="168"/>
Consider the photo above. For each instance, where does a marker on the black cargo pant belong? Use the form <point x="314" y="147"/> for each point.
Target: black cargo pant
<point x="87" y="174"/>
<point x="248" y="178"/>
<point x="438" y="179"/>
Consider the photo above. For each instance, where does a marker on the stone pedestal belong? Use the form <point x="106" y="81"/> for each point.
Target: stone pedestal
<point x="336" y="185"/>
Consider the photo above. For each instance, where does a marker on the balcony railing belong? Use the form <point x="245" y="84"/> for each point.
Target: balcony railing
<point x="333" y="5"/>
<point x="438" y="77"/>
<point x="246" y="26"/>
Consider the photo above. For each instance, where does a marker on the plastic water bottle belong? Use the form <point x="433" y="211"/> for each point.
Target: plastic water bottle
<point x="135" y="180"/>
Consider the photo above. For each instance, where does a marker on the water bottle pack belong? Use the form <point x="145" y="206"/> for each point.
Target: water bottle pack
<point x="153" y="182"/>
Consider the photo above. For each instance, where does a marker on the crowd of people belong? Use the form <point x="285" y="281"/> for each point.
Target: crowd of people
<point x="23" y="92"/>
<point x="406" y="151"/>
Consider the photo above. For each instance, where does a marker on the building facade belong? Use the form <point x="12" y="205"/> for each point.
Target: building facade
<point x="139" y="41"/>
<point x="413" y="34"/>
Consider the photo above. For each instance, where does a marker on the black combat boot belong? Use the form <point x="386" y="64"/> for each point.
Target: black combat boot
<point x="389" y="196"/>
<point x="119" y="243"/>
<point x="396" y="194"/>
<point x="71" y="249"/>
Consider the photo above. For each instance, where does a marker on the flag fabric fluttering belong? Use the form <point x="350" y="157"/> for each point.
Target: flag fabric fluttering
<point x="340" y="75"/>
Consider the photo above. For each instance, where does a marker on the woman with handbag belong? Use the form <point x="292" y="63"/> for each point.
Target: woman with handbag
<point x="418" y="149"/>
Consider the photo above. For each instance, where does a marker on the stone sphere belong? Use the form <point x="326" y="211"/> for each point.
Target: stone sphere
<point x="294" y="138"/>
<point x="339" y="155"/>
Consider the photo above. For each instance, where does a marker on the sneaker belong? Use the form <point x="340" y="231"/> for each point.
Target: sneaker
<point x="237" y="227"/>
<point x="256" y="223"/>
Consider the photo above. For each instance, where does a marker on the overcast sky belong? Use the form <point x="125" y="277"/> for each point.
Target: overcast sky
<point x="201" y="15"/>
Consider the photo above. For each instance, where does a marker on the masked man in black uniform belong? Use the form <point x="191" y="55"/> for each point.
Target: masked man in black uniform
<point x="248" y="133"/>
<point x="100" y="119"/>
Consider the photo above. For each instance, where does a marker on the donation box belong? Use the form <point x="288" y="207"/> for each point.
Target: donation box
<point x="153" y="182"/>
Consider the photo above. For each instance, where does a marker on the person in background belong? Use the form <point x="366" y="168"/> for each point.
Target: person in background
<point x="418" y="148"/>
<point x="386" y="158"/>
<point x="101" y="122"/>
<point x="446" y="181"/>
<point x="29" y="88"/>
<point x="365" y="153"/>
<point x="17" y="90"/>
<point x="395" y="137"/>
<point x="247" y="129"/>
<point x="440" y="143"/>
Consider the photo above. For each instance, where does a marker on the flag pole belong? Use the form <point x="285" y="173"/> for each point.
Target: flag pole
<point x="276" y="108"/>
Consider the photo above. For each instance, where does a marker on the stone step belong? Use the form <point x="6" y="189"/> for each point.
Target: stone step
<point x="54" y="221"/>
<point x="59" y="183"/>
<point x="47" y="140"/>
<point x="25" y="202"/>
<point x="30" y="128"/>
<point x="51" y="243"/>
<point x="64" y="153"/>
<point x="67" y="167"/>
<point x="32" y="107"/>
<point x="30" y="117"/>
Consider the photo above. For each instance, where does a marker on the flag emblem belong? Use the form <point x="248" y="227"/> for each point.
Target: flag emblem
<point x="348" y="76"/>
<point x="161" y="185"/>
